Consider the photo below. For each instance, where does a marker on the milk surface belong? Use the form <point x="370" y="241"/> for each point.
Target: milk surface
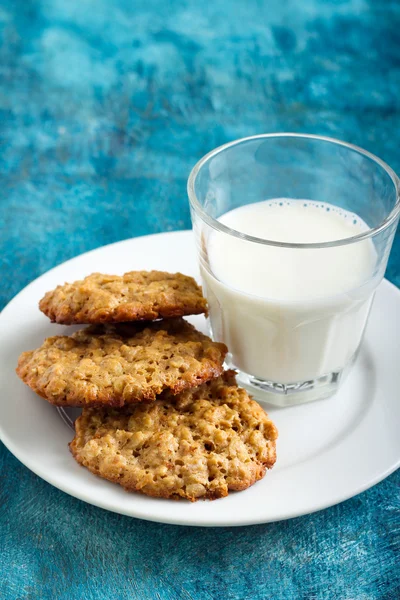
<point x="289" y="315"/>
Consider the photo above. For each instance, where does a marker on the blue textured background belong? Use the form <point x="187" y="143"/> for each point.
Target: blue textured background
<point x="105" y="107"/>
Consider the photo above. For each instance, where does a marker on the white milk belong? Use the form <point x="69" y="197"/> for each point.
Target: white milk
<point x="289" y="315"/>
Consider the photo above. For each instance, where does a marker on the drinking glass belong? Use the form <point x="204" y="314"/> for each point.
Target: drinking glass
<point x="291" y="349"/>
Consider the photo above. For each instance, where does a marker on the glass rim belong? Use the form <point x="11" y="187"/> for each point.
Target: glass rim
<point x="218" y="226"/>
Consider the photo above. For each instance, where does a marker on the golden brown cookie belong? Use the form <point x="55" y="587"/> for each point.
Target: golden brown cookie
<point x="119" y="364"/>
<point x="135" y="296"/>
<point x="199" y="444"/>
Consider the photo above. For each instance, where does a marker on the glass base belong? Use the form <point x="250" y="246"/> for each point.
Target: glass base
<point x="290" y="394"/>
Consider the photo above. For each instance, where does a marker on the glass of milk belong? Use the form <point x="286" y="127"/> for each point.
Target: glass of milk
<point x="293" y="235"/>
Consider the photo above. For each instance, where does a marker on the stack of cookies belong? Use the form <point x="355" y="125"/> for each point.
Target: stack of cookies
<point x="160" y="415"/>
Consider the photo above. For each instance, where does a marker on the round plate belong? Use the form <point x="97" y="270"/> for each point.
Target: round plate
<point x="328" y="451"/>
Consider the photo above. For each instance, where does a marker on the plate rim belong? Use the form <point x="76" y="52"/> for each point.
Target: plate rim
<point x="93" y="500"/>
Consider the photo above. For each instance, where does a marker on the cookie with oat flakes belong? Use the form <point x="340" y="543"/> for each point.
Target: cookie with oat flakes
<point x="198" y="444"/>
<point x="134" y="296"/>
<point x="123" y="363"/>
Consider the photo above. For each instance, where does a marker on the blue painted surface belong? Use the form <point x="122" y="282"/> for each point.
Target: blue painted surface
<point x="104" y="108"/>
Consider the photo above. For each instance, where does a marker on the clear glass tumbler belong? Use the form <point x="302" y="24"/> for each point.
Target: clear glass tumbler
<point x="292" y="306"/>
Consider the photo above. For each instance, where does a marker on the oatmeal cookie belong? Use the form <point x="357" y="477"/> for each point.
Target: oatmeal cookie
<point x="135" y="296"/>
<point x="119" y="364"/>
<point x="199" y="444"/>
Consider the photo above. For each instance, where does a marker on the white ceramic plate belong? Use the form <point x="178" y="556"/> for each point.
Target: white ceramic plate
<point x="328" y="451"/>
